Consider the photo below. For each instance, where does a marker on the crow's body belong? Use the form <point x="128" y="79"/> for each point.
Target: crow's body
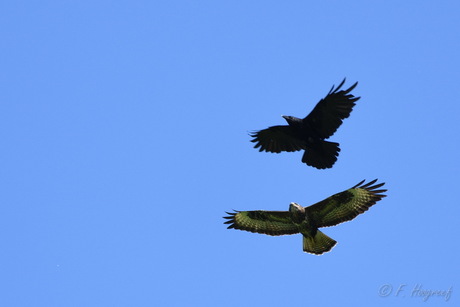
<point x="309" y="133"/>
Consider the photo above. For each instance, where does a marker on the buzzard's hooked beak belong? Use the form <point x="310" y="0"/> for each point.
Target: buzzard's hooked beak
<point x="295" y="206"/>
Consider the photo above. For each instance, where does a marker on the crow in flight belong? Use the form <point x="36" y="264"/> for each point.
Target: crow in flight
<point x="309" y="133"/>
<point x="336" y="209"/>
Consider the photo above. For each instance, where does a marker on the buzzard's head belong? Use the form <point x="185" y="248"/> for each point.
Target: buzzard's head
<point x="297" y="212"/>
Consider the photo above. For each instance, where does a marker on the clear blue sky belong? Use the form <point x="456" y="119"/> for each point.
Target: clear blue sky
<point x="124" y="129"/>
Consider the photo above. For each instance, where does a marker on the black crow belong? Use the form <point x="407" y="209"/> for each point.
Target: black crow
<point x="309" y="134"/>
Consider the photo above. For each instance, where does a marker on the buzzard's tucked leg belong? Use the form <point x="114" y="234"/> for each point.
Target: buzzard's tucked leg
<point x="321" y="155"/>
<point x="318" y="244"/>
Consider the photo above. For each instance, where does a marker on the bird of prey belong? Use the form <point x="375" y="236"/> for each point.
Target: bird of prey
<point x="336" y="209"/>
<point x="309" y="133"/>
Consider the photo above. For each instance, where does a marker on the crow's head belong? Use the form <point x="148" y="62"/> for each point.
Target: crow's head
<point x="292" y="121"/>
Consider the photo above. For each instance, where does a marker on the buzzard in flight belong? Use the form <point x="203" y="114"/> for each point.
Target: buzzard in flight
<point x="309" y="133"/>
<point x="338" y="208"/>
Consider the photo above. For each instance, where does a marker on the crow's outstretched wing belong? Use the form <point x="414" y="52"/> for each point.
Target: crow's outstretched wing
<point x="277" y="139"/>
<point x="346" y="205"/>
<point x="328" y="114"/>
<point x="274" y="223"/>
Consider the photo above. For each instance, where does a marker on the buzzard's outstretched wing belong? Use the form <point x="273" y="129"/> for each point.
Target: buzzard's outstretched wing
<point x="277" y="139"/>
<point x="346" y="205"/>
<point x="328" y="114"/>
<point x="274" y="223"/>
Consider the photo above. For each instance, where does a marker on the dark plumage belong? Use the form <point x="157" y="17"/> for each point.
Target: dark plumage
<point x="309" y="134"/>
<point x="336" y="209"/>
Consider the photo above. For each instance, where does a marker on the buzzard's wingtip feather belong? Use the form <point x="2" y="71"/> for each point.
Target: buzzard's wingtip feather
<point x="359" y="184"/>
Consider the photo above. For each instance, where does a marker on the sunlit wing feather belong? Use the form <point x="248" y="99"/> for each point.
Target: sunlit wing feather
<point x="277" y="139"/>
<point x="346" y="205"/>
<point x="274" y="223"/>
<point x="328" y="114"/>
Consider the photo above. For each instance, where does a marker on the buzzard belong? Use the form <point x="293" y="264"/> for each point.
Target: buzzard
<point x="309" y="133"/>
<point x="336" y="209"/>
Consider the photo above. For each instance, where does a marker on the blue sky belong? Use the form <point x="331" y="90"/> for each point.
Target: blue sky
<point x="125" y="127"/>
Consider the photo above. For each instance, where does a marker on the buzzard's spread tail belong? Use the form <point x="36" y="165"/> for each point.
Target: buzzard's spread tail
<point x="322" y="155"/>
<point x="318" y="244"/>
